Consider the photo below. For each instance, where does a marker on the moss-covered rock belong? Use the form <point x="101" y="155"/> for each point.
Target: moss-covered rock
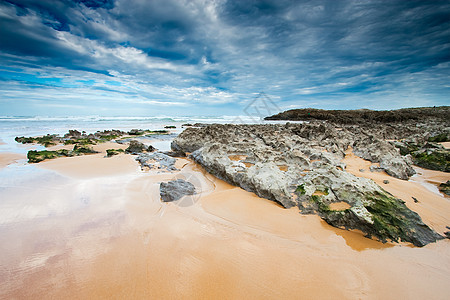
<point x="35" y="156"/>
<point x="442" y="137"/>
<point x="435" y="159"/>
<point x="445" y="187"/>
<point x="380" y="215"/>
<point x="112" y="152"/>
<point x="46" y="140"/>
<point x="82" y="149"/>
<point x="80" y="141"/>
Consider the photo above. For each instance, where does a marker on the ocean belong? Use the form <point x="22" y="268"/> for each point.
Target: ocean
<point x="10" y="127"/>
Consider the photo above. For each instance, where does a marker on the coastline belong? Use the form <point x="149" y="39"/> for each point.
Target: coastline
<point x="102" y="231"/>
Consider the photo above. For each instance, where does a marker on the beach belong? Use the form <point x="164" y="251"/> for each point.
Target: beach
<point x="94" y="227"/>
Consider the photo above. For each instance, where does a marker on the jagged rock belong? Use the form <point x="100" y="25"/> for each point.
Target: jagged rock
<point x="135" y="147"/>
<point x="434" y="159"/>
<point x="175" y="153"/>
<point x="445" y="188"/>
<point x="301" y="165"/>
<point x="157" y="160"/>
<point x="175" y="189"/>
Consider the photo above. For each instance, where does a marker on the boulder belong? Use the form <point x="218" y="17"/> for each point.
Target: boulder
<point x="157" y="160"/>
<point x="175" y="189"/>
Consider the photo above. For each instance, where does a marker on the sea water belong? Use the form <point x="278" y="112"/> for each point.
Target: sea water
<point x="11" y="127"/>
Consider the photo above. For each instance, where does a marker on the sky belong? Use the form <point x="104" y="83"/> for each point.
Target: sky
<point x="199" y="57"/>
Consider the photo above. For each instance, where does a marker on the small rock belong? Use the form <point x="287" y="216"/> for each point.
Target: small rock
<point x="135" y="147"/>
<point x="386" y="181"/>
<point x="157" y="160"/>
<point x="362" y="170"/>
<point x="415" y="200"/>
<point x="447" y="234"/>
<point x="445" y="188"/>
<point x="175" y="189"/>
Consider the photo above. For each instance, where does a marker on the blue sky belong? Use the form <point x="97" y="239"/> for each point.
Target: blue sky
<point x="199" y="57"/>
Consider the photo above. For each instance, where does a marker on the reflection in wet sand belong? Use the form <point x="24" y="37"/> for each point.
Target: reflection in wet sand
<point x="111" y="237"/>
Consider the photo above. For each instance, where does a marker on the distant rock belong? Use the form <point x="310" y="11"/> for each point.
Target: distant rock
<point x="364" y="115"/>
<point x="175" y="190"/>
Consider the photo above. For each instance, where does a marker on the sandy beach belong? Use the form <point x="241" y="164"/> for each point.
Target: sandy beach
<point x="9" y="158"/>
<point x="120" y="241"/>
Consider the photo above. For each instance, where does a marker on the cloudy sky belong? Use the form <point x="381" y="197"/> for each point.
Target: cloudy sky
<point x="212" y="57"/>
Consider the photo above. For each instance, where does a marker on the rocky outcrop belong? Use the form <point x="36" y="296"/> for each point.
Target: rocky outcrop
<point x="301" y="165"/>
<point x="175" y="189"/>
<point x="157" y="160"/>
<point x="362" y="115"/>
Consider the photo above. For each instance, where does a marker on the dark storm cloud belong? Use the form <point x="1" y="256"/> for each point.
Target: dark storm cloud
<point x="332" y="53"/>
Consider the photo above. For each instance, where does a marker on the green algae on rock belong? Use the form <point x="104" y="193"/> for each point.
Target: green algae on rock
<point x="112" y="152"/>
<point x="315" y="180"/>
<point x="35" y="156"/>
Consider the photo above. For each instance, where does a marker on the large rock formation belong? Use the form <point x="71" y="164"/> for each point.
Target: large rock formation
<point x="301" y="165"/>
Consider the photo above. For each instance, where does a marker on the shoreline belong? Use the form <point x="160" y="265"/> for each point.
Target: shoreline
<point x="113" y="236"/>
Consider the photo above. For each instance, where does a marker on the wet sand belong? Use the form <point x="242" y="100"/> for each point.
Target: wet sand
<point x="93" y="165"/>
<point x="446" y="145"/>
<point x="108" y="236"/>
<point x="7" y="158"/>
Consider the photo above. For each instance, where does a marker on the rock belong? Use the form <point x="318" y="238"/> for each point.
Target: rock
<point x="362" y="170"/>
<point x="445" y="188"/>
<point x="170" y="127"/>
<point x="175" y="153"/>
<point x="301" y="165"/>
<point x="415" y="200"/>
<point x="135" y="147"/>
<point x="364" y="115"/>
<point x="158" y="161"/>
<point x="136" y="132"/>
<point x="175" y="189"/>
<point x="376" y="169"/>
<point x="447" y="234"/>
<point x="112" y="152"/>
<point x="434" y="159"/>
<point x="386" y="181"/>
